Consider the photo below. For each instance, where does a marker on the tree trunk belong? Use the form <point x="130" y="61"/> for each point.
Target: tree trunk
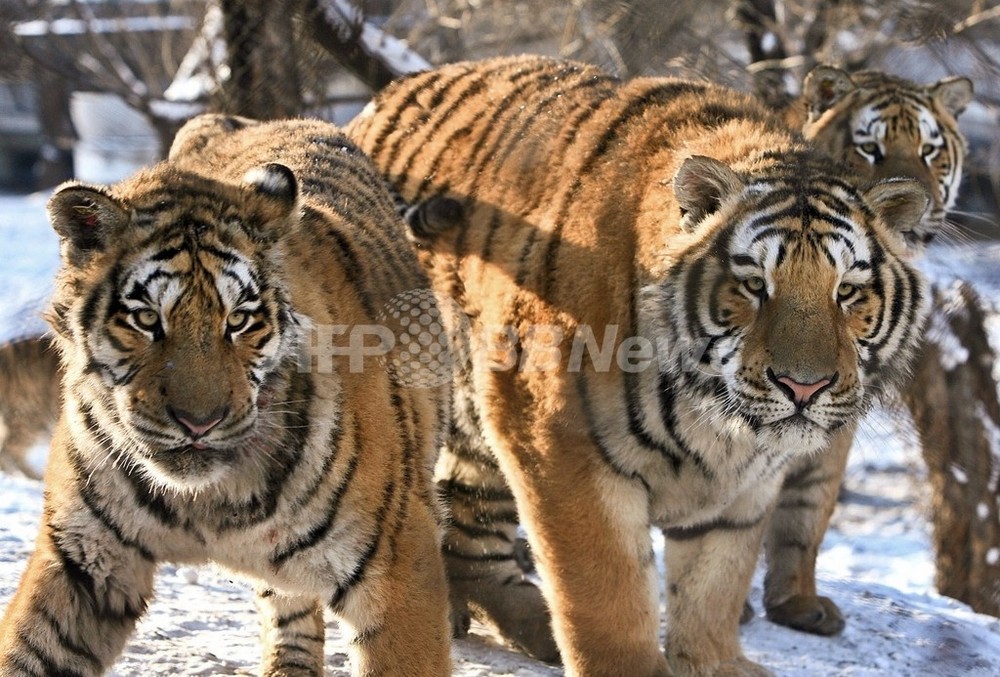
<point x="56" y="162"/>
<point x="953" y="400"/>
<point x="263" y="80"/>
<point x="766" y="48"/>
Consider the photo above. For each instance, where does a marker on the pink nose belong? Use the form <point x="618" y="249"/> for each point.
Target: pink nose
<point x="198" y="426"/>
<point x="801" y="393"/>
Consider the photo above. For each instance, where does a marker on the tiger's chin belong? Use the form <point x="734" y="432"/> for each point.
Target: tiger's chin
<point x="797" y="434"/>
<point x="190" y="468"/>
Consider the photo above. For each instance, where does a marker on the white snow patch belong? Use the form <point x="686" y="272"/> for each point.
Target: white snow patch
<point x="959" y="474"/>
<point x="939" y="332"/>
<point x="993" y="556"/>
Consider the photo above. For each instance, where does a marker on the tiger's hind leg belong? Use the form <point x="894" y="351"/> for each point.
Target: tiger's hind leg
<point x="485" y="576"/>
<point x="292" y="635"/>
<point x="794" y="535"/>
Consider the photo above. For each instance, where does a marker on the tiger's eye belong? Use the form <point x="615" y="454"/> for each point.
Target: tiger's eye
<point x="755" y="284"/>
<point x="146" y="318"/>
<point x="845" y="291"/>
<point x="869" y="148"/>
<point x="927" y="149"/>
<point x="237" y="320"/>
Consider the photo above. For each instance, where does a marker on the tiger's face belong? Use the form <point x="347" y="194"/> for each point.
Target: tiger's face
<point x="173" y="324"/>
<point x="800" y="296"/>
<point x="886" y="127"/>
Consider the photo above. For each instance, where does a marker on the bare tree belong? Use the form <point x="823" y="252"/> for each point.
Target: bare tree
<point x="957" y="415"/>
<point x="128" y="49"/>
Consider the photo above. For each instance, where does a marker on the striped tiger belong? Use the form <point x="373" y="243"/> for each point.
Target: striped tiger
<point x="881" y="126"/>
<point x="885" y="126"/>
<point x="213" y="413"/>
<point x="29" y="399"/>
<point x="669" y="300"/>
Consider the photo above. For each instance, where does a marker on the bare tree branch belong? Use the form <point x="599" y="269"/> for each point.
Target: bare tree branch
<point x="373" y="56"/>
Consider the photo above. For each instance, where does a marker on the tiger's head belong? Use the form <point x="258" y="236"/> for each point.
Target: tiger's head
<point x="885" y="127"/>
<point x="795" y="293"/>
<point x="170" y="318"/>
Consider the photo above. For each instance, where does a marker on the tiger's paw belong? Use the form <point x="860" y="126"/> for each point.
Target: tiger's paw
<point x="516" y="610"/>
<point x="735" y="667"/>
<point x="816" y="615"/>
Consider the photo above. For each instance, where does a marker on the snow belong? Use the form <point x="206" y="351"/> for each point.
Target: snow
<point x="394" y="52"/>
<point x="133" y="24"/>
<point x="876" y="561"/>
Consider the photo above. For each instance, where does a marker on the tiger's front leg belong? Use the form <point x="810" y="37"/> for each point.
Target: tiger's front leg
<point x="396" y="616"/>
<point x="589" y="530"/>
<point x="795" y="533"/>
<point x="708" y="576"/>
<point x="292" y="635"/>
<point x="83" y="591"/>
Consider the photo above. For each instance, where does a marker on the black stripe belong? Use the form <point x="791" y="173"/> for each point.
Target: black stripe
<point x="476" y="532"/>
<point x="368" y="635"/>
<point x="88" y="493"/>
<point x="699" y="530"/>
<point x="321" y="528"/>
<point x="333" y="448"/>
<point x="285" y="621"/>
<point x="670" y="424"/>
<point x="478" y="557"/>
<point x="590" y="420"/>
<point x="149" y="499"/>
<point x="453" y="486"/>
<point x="361" y="566"/>
<point x="636" y="107"/>
<point x="295" y="427"/>
<point x="352" y="267"/>
<point x="49" y="665"/>
<point x="67" y="643"/>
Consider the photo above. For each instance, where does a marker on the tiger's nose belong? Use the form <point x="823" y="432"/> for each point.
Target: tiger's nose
<point x="801" y="393"/>
<point x="197" y="425"/>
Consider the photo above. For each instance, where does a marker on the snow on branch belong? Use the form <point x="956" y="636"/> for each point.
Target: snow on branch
<point x="370" y="53"/>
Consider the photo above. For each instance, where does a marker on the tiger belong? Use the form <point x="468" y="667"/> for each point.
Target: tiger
<point x="29" y="400"/>
<point x="886" y="126"/>
<point x="214" y="411"/>
<point x="668" y="300"/>
<point x="881" y="126"/>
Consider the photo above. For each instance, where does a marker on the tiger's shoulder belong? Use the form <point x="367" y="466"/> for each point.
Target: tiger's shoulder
<point x="883" y="125"/>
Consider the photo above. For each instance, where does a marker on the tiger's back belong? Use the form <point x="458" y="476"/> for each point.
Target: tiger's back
<point x="657" y="286"/>
<point x="220" y="406"/>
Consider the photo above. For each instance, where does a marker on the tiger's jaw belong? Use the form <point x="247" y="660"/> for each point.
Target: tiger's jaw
<point x="187" y="463"/>
<point x="797" y="434"/>
<point x="176" y="458"/>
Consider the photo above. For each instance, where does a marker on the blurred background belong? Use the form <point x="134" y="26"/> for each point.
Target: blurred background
<point x="95" y="88"/>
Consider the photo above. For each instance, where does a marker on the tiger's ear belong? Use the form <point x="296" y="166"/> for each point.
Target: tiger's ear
<point x="700" y="186"/>
<point x="86" y="218"/>
<point x="824" y="86"/>
<point x="900" y="203"/>
<point x="953" y="93"/>
<point x="277" y="193"/>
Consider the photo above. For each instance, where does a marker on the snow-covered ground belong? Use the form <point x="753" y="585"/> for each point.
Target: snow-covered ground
<point x="876" y="560"/>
